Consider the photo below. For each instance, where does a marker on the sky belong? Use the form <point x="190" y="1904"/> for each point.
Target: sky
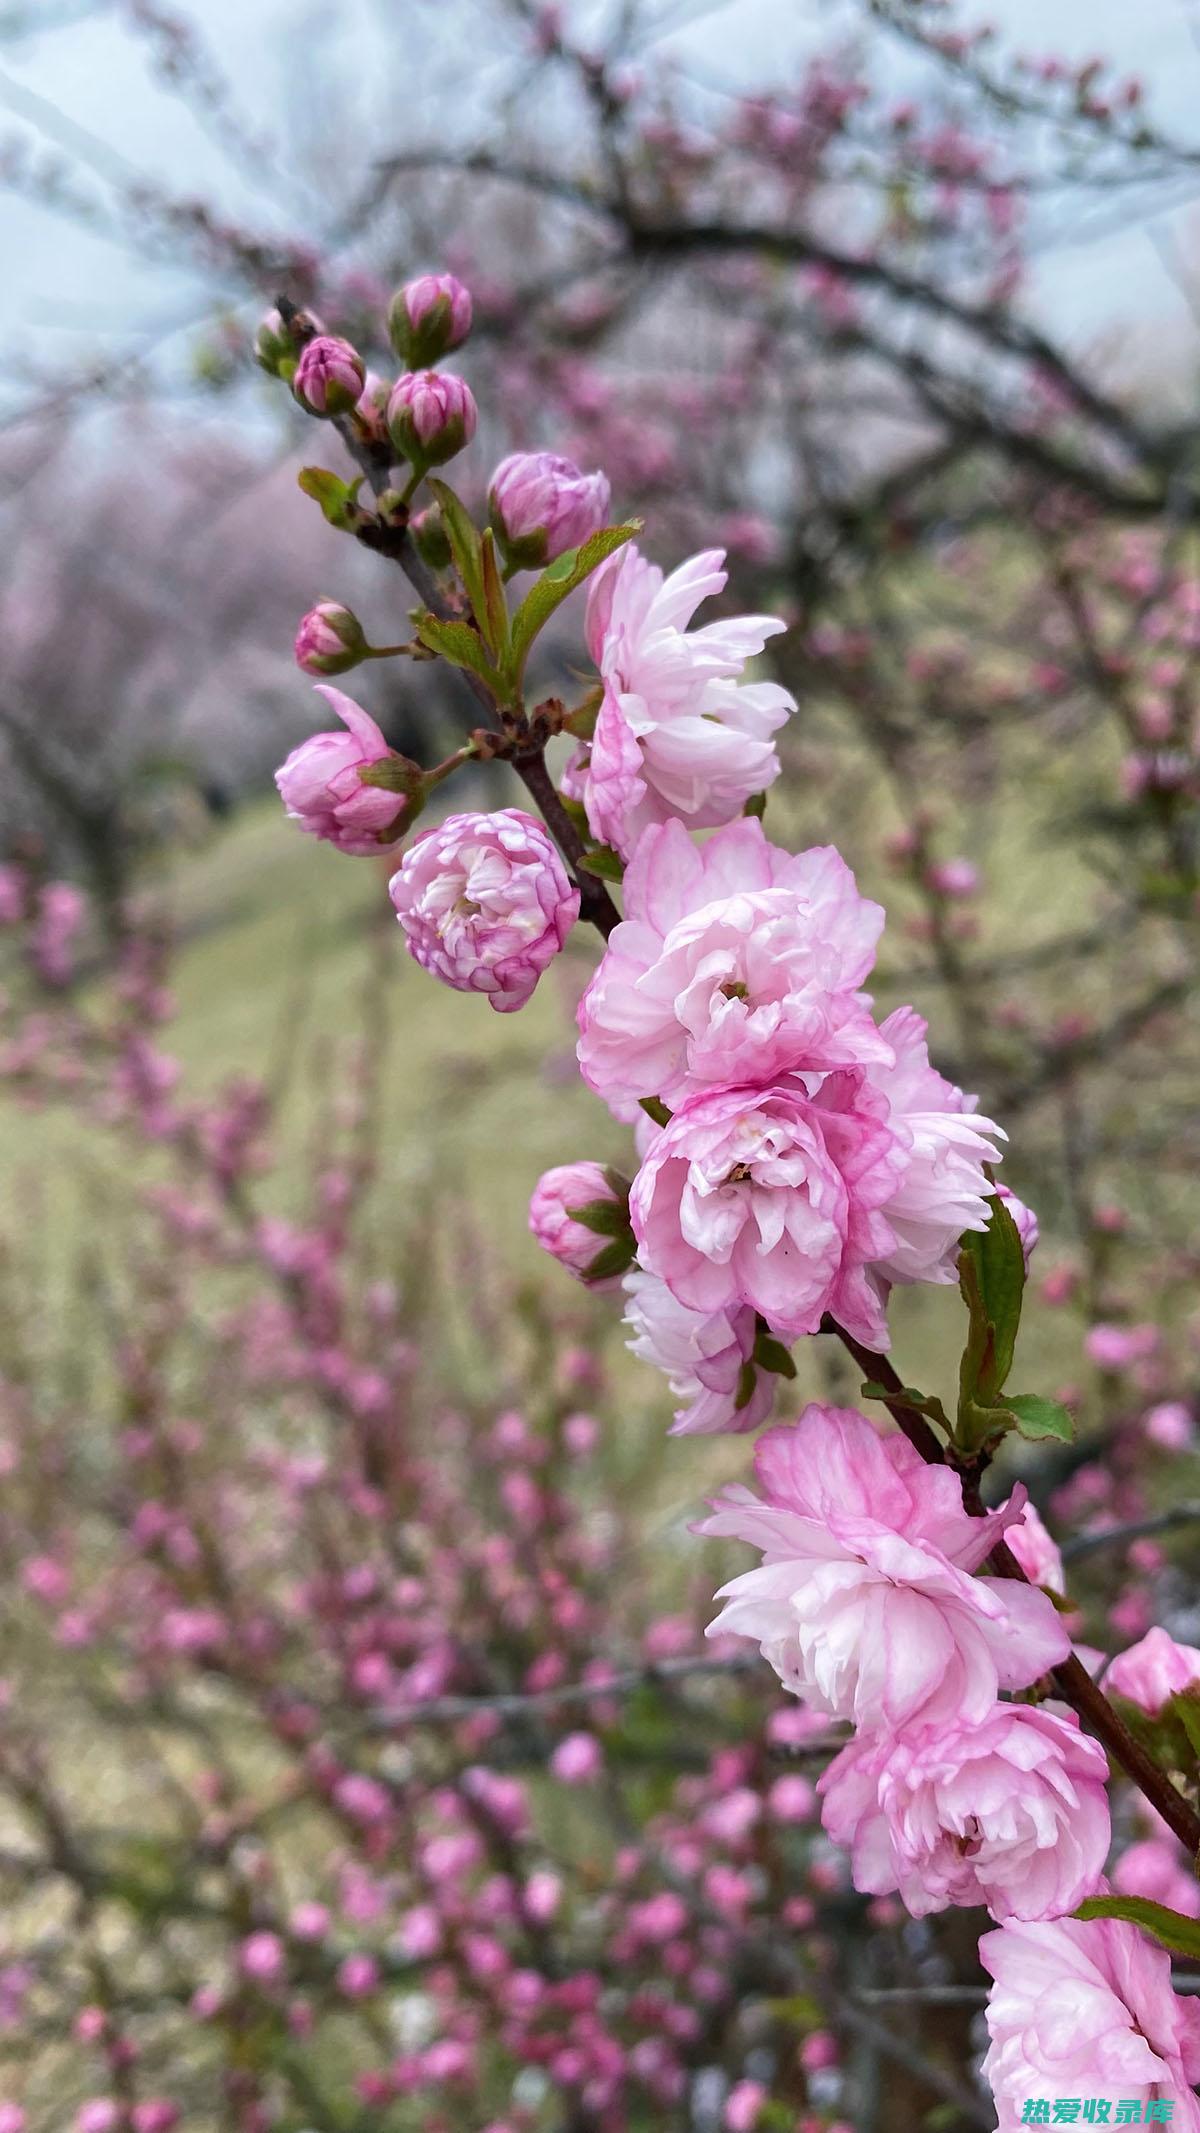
<point x="65" y="290"/>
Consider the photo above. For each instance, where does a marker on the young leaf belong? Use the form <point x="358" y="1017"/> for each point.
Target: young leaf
<point x="465" y="546"/>
<point x="338" y="499"/>
<point x="550" y="590"/>
<point x="1037" y="1417"/>
<point x="996" y="1258"/>
<point x="1181" y="1935"/>
<point x="494" y="619"/>
<point x="461" y="645"/>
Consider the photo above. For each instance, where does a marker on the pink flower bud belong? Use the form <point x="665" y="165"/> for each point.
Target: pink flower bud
<point x="431" y="416"/>
<point x="262" y="1959"/>
<point x="358" y="1976"/>
<point x="427" y="533"/>
<point x="485" y="904"/>
<point x="330" y="376"/>
<point x="427" y="318"/>
<point x="743" y="2106"/>
<point x="98" y="2115"/>
<point x="308" y="1921"/>
<point x="330" y="639"/>
<point x="541" y="505"/>
<point x="156" y="2115"/>
<point x="1153" y="1671"/>
<point x="579" y="1213"/>
<point x="274" y="349"/>
<point x="321" y="789"/>
<point x="953" y="878"/>
<point x="577" y="1759"/>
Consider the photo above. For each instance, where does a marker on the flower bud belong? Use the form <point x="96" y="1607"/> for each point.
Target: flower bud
<point x="431" y="416"/>
<point x="427" y="318"/>
<point x="330" y="376"/>
<point x="274" y="349"/>
<point x="540" y="505"/>
<point x="370" y="410"/>
<point x="427" y="531"/>
<point x="321" y="785"/>
<point x="579" y="1213"/>
<point x="330" y="639"/>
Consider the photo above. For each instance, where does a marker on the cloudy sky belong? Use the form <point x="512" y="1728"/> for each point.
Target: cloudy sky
<point x="89" y="88"/>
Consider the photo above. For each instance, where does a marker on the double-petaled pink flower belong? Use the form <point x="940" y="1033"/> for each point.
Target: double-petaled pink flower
<point x="1010" y="1811"/>
<point x="944" y="1188"/>
<point x="735" y="963"/>
<point x="321" y="788"/>
<point x="707" y="1358"/>
<point x="1086" y="2008"/>
<point x="866" y="1602"/>
<point x="772" y="1198"/>
<point x="485" y="904"/>
<point x="678" y="732"/>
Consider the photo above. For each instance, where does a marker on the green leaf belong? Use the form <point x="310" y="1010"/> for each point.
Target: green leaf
<point x="466" y="546"/>
<point x="1184" y="1706"/>
<point x="494" y="619"/>
<point x="608" y="1218"/>
<point x="338" y="499"/>
<point x="614" y="1259"/>
<point x="1181" y="1935"/>
<point x="991" y="1279"/>
<point x="461" y="645"/>
<point x="602" y="860"/>
<point x="655" y="1108"/>
<point x="566" y="573"/>
<point x="1037" y="1417"/>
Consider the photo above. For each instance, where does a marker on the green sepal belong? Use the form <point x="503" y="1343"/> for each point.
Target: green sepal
<point x="655" y="1108"/>
<point x="608" y="1218"/>
<point x="771" y="1355"/>
<point x="614" y="1259"/>
<point x="602" y="860"/>
<point x="756" y="805"/>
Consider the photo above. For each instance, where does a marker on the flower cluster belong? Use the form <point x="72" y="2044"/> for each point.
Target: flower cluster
<point x="798" y="1158"/>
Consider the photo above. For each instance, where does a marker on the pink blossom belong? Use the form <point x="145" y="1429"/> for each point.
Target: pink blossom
<point x="772" y="1198"/>
<point x="428" y="317"/>
<point x="1038" y="1555"/>
<point x="99" y="2114"/>
<point x="1086" y="2008"/>
<point x="704" y="1356"/>
<point x="320" y="787"/>
<point x="155" y="2114"/>
<point x="541" y="505"/>
<point x="1169" y="1424"/>
<point x="1153" y="1671"/>
<point x="262" y="1957"/>
<point x="12" y="2118"/>
<point x="679" y="732"/>
<point x="1118" y="1347"/>
<point x="485" y="904"/>
<point x="1156" y="1869"/>
<point x="743" y="2106"/>
<point x="559" y="1196"/>
<point x="865" y="1603"/>
<point x="431" y="415"/>
<point x="329" y="376"/>
<point x="577" y="1759"/>
<point x="1010" y="1811"/>
<point x="943" y="1189"/>
<point x="357" y="1976"/>
<point x="735" y="962"/>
